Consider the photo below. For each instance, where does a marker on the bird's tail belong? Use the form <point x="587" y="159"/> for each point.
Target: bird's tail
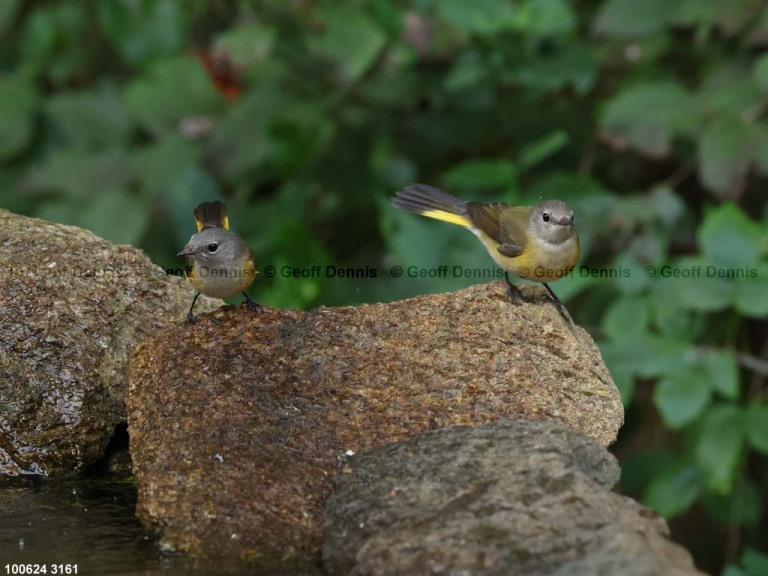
<point x="432" y="203"/>
<point x="211" y="215"/>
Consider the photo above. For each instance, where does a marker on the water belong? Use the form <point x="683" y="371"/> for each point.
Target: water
<point x="90" y="524"/>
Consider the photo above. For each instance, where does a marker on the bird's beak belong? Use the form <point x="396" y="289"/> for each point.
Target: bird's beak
<point x="565" y="221"/>
<point x="188" y="251"/>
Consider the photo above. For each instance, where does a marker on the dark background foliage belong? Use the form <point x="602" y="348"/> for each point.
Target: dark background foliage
<point x="649" y="118"/>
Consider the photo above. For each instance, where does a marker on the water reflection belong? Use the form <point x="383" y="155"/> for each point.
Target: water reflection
<point x="90" y="523"/>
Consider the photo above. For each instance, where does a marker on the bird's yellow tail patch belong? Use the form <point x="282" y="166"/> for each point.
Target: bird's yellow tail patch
<point x="212" y="215"/>
<point x="447" y="217"/>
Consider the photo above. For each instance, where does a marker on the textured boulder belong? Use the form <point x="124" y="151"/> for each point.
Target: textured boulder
<point x="510" y="497"/>
<point x="72" y="308"/>
<point x="239" y="422"/>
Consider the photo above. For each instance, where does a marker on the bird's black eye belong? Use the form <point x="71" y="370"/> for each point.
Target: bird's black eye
<point x="212" y="247"/>
<point x="545" y="216"/>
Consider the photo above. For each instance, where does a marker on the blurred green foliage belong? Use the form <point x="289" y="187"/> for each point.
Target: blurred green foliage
<point x="649" y="118"/>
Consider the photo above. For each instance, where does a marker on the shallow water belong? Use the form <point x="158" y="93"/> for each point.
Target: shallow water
<point x="90" y="524"/>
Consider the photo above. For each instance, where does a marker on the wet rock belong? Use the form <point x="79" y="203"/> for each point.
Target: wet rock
<point x="509" y="497"/>
<point x="72" y="308"/>
<point x="239" y="422"/>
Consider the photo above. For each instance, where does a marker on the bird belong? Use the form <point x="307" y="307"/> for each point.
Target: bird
<point x="220" y="263"/>
<point x="536" y="242"/>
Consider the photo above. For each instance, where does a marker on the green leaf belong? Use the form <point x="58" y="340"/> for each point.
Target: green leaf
<point x="154" y="98"/>
<point x="437" y="243"/>
<point x="144" y="30"/>
<point x="756" y="427"/>
<point x="55" y="42"/>
<point x="7" y="13"/>
<point x="758" y="153"/>
<point x="648" y="245"/>
<point x="160" y="163"/>
<point x="742" y="506"/>
<point x="298" y="249"/>
<point x="572" y="67"/>
<point x="723" y="372"/>
<point x="582" y="191"/>
<point x="389" y="90"/>
<point x="718" y="448"/>
<point x="724" y="149"/>
<point x="91" y="119"/>
<point x="630" y="276"/>
<point x="667" y="354"/>
<point x="474" y="174"/>
<point x="735" y="15"/>
<point x="389" y="16"/>
<point x="81" y="174"/>
<point x="479" y="16"/>
<point x="666" y="205"/>
<point x="191" y="186"/>
<point x="247" y="44"/>
<point x="347" y="27"/>
<point x="639" y="468"/>
<point x="38" y="39"/>
<point x="675" y="489"/>
<point x="647" y="116"/>
<point x="98" y="216"/>
<point x="729" y="238"/>
<point x="468" y="70"/>
<point x="18" y="105"/>
<point x="631" y="355"/>
<point x="298" y="133"/>
<point x="242" y="143"/>
<point x="58" y="210"/>
<point x="11" y="178"/>
<point x="626" y="319"/>
<point x="755" y="563"/>
<point x="548" y="17"/>
<point x="623" y="362"/>
<point x="696" y="12"/>
<point x="704" y="294"/>
<point x="760" y="72"/>
<point x="669" y="316"/>
<point x="538" y="151"/>
<point x="624" y="378"/>
<point x="682" y="396"/>
<point x="750" y="293"/>
<point x="695" y="288"/>
<point x="629" y="18"/>
<point x="726" y="91"/>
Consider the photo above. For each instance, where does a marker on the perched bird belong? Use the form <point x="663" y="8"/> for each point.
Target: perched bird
<point x="533" y="242"/>
<point x="220" y="262"/>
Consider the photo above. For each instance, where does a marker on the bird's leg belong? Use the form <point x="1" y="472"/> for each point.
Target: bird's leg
<point x="252" y="304"/>
<point x="513" y="292"/>
<point x="557" y="303"/>
<point x="191" y="317"/>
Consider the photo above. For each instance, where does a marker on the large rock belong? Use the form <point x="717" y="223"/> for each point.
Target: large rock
<point x="239" y="422"/>
<point x="72" y="308"/>
<point x="506" y="498"/>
